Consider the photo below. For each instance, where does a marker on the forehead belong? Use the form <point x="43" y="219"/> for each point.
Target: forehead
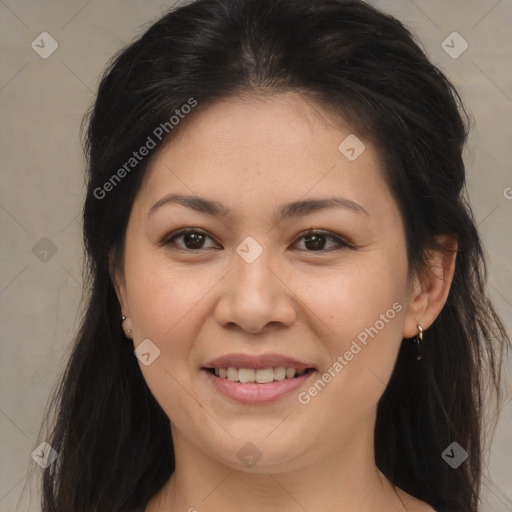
<point x="250" y="148"/>
<point x="241" y="124"/>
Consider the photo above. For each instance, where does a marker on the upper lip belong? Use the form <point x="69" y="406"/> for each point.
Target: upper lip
<point x="268" y="360"/>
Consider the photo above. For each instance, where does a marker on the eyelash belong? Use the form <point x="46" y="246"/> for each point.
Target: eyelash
<point x="342" y="244"/>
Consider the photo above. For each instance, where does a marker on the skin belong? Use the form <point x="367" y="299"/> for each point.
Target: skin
<point x="253" y="155"/>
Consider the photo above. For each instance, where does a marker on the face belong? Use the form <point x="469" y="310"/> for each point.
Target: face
<point x="326" y="285"/>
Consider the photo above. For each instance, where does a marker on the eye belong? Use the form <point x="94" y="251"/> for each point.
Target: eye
<point x="315" y="240"/>
<point x="193" y="239"/>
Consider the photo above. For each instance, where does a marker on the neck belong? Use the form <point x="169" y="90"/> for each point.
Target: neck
<point x="343" y="480"/>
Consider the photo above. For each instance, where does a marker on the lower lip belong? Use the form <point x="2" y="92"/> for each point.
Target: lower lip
<point x="253" y="393"/>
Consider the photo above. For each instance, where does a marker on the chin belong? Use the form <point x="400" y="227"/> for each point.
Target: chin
<point x="258" y="455"/>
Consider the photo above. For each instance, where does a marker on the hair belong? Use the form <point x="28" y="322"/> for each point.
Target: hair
<point x="113" y="438"/>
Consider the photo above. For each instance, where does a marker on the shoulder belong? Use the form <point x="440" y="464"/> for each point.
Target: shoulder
<point x="419" y="506"/>
<point x="416" y="505"/>
<point x="413" y="504"/>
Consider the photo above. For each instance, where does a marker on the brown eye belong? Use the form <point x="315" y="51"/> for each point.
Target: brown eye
<point x="192" y="239"/>
<point x="315" y="241"/>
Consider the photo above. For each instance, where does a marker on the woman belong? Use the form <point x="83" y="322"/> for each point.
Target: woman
<point x="287" y="307"/>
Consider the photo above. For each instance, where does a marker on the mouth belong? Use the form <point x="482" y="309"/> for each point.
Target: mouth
<point x="250" y="386"/>
<point x="258" y="376"/>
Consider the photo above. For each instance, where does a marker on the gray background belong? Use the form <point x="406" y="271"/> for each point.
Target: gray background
<point x="42" y="102"/>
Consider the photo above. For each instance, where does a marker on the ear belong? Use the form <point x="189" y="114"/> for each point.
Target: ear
<point x="430" y="290"/>
<point x="117" y="277"/>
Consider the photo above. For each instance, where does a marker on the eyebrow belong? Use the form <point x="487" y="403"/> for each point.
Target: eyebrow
<point x="299" y="208"/>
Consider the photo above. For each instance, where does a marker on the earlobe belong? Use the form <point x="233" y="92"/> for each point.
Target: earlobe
<point x="430" y="291"/>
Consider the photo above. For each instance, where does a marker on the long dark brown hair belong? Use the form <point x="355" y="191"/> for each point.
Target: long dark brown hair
<point x="113" y="438"/>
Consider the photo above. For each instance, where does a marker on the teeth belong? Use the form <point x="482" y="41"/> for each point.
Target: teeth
<point x="290" y="373"/>
<point x="261" y="376"/>
<point x="264" y="375"/>
<point x="279" y="373"/>
<point x="244" y="374"/>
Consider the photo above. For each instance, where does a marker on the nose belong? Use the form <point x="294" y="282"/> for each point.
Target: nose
<point x="255" y="296"/>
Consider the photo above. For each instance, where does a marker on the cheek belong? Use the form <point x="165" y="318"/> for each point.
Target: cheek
<point x="362" y="340"/>
<point x="164" y="295"/>
<point x="360" y="313"/>
<point x="351" y="299"/>
<point x="168" y="304"/>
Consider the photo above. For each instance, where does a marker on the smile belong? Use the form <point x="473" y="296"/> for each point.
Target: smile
<point x="250" y="386"/>
<point x="261" y="376"/>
